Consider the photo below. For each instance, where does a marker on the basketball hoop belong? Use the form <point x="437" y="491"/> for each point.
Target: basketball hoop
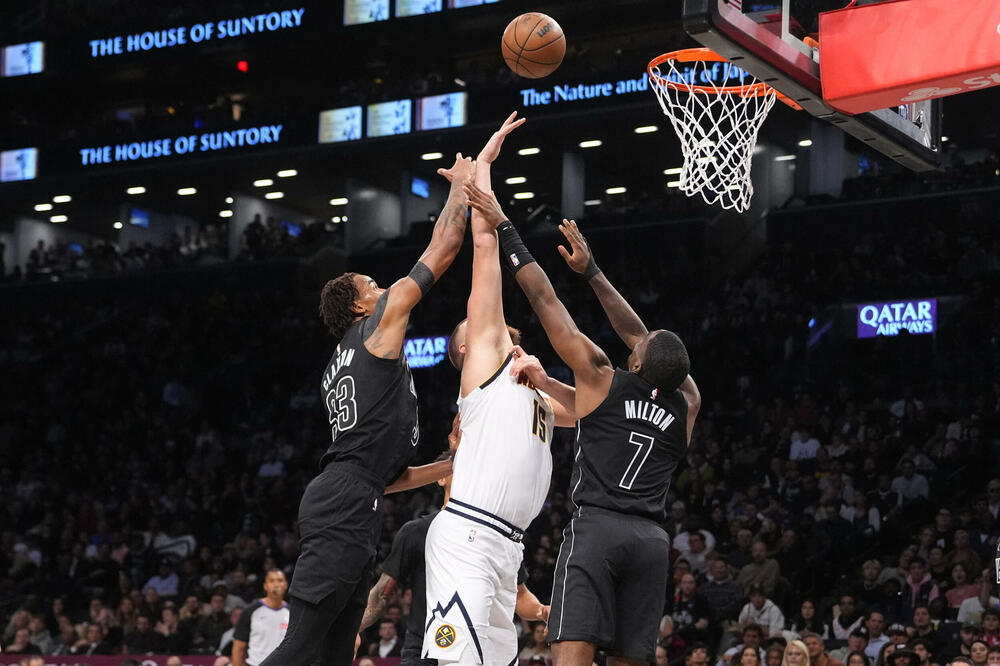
<point x="716" y="124"/>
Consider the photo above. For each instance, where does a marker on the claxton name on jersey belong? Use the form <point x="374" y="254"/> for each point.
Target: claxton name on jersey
<point x="647" y="411"/>
<point x="344" y="358"/>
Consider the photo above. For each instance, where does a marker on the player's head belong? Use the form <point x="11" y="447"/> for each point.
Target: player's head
<point x="344" y="299"/>
<point x="661" y="359"/>
<point x="456" y="343"/>
<point x="275" y="584"/>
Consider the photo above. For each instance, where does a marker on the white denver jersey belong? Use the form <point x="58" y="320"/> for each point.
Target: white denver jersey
<point x="504" y="463"/>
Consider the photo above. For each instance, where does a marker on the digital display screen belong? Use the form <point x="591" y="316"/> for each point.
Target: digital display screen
<point x="425" y="352"/>
<point x="340" y="124"/>
<point x="458" y="4"/>
<point x="18" y="164"/>
<point x="75" y="248"/>
<point x="139" y="218"/>
<point x="442" y="111"/>
<point x="389" y="118"/>
<point x="365" y="11"/>
<point x="291" y="228"/>
<point x="417" y="7"/>
<point x="420" y="187"/>
<point x="21" y="59"/>
<point x="889" y="319"/>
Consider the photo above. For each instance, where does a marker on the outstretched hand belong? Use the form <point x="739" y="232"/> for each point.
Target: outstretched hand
<point x="491" y="150"/>
<point x="462" y="170"/>
<point x="527" y="368"/>
<point x="486" y="203"/>
<point x="580" y="256"/>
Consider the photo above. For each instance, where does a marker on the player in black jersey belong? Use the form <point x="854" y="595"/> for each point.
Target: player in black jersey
<point x="372" y="409"/>
<point x="634" y="427"/>
<point x="405" y="566"/>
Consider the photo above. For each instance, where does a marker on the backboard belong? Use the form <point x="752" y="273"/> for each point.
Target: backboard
<point x="776" y="41"/>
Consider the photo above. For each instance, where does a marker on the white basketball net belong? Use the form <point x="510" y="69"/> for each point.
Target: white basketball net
<point x="717" y="129"/>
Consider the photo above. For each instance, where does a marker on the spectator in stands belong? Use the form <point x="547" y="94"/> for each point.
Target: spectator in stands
<point x="962" y="587"/>
<point x="174" y="638"/>
<point x="208" y="633"/>
<point x="962" y="553"/>
<point x="875" y="623"/>
<point x="723" y="594"/>
<point x="388" y="644"/>
<point x="809" y="621"/>
<point x="697" y="655"/>
<point x="797" y="654"/>
<point x="979" y="652"/>
<point x="921" y="589"/>
<point x="804" y="446"/>
<point x="39" y="635"/>
<point x="752" y="636"/>
<point x="848" y="619"/>
<point x="886" y="652"/>
<point x="774" y="655"/>
<point x="226" y="642"/>
<point x="923" y="649"/>
<point x="143" y="640"/>
<point x="762" y="612"/>
<point x="762" y="571"/>
<point x="816" y="651"/>
<point x="690" y="611"/>
<point x="993" y="656"/>
<point x="991" y="627"/>
<point x="166" y="581"/>
<point x="857" y="641"/>
<point x="971" y="609"/>
<point x="92" y="642"/>
<point x="697" y="553"/>
<point x="22" y="643"/>
<point x="858" y="659"/>
<point x="538" y="647"/>
<point x="897" y="634"/>
<point x="670" y="641"/>
<point x="910" y="486"/>
<point x="749" y="656"/>
<point x="885" y="497"/>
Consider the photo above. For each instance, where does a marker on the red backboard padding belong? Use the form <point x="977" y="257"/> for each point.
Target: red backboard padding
<point x="892" y="53"/>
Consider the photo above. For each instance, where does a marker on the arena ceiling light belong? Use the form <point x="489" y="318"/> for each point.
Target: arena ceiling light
<point x="274" y="195"/>
<point x="118" y="225"/>
<point x="616" y="190"/>
<point x="524" y="195"/>
<point x="646" y="129"/>
<point x="225" y="213"/>
<point x="43" y="207"/>
<point x="339" y="201"/>
<point x="62" y="198"/>
<point x="287" y="173"/>
<point x="590" y="143"/>
<point x="673" y="172"/>
<point x="263" y="182"/>
<point x="529" y="151"/>
<point x="784" y="158"/>
<point x="945" y="139"/>
<point x="592" y="202"/>
<point x="427" y="157"/>
<point x="138" y="189"/>
<point x="805" y="143"/>
<point x="56" y="219"/>
<point x="187" y="191"/>
<point x="335" y="219"/>
<point x="229" y="200"/>
<point x="674" y="183"/>
<point x="516" y="180"/>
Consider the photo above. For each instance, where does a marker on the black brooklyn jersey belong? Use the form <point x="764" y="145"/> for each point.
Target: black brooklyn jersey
<point x="628" y="448"/>
<point x="371" y="404"/>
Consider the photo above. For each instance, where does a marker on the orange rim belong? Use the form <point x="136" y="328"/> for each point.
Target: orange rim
<point x="758" y="89"/>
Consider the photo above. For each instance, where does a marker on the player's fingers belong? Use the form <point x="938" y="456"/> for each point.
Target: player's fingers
<point x="518" y="351"/>
<point x="510" y="118"/>
<point x="442" y="172"/>
<point x="564" y="252"/>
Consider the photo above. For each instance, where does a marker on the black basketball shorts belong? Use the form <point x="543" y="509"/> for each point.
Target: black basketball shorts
<point x="610" y="583"/>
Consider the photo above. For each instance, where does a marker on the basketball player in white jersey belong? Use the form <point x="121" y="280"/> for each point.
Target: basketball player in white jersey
<point x="501" y="472"/>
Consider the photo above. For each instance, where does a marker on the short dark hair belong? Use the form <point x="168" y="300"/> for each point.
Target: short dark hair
<point x="990" y="611"/>
<point x="694" y="647"/>
<point x="754" y="627"/>
<point x="335" y="304"/>
<point x="666" y="363"/>
<point x="920" y="641"/>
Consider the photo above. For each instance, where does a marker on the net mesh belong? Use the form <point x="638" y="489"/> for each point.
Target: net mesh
<point x="716" y="124"/>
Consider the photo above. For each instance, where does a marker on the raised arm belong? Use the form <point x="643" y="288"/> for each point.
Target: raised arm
<point x="591" y="368"/>
<point x="487" y="339"/>
<point x="623" y="318"/>
<point x="386" y="341"/>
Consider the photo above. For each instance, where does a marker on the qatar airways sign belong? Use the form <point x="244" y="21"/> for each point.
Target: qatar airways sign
<point x="892" y="318"/>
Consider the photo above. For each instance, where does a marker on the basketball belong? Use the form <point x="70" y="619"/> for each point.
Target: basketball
<point x="533" y="45"/>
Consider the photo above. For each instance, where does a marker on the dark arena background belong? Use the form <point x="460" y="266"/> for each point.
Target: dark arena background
<point x="179" y="179"/>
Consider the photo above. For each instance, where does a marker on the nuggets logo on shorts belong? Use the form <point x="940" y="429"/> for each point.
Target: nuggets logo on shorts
<point x="445" y="636"/>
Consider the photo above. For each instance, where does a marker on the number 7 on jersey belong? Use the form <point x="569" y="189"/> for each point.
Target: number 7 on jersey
<point x="644" y="445"/>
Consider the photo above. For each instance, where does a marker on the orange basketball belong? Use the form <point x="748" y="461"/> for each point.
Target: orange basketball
<point x="533" y="45"/>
